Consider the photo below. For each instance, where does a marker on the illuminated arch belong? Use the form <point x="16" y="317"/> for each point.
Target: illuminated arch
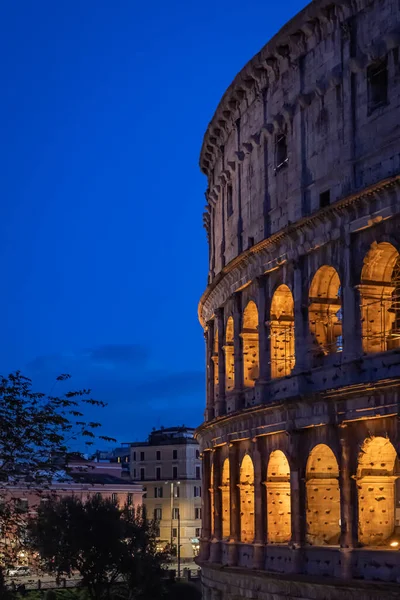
<point x="325" y="312"/>
<point x="216" y="363"/>
<point x="250" y="344"/>
<point x="226" y="500"/>
<point x="282" y="332"/>
<point x="376" y="491"/>
<point x="246" y="486"/>
<point x="380" y="298"/>
<point x="278" y="498"/>
<point x="323" y="497"/>
<point x="212" y="503"/>
<point x="229" y="356"/>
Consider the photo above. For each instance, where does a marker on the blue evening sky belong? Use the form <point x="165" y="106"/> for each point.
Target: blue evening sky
<point x="102" y="251"/>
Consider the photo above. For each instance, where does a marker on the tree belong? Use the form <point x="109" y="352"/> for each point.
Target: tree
<point x="36" y="431"/>
<point x="104" y="543"/>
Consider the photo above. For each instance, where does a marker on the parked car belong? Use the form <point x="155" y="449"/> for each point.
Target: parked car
<point x="18" y="571"/>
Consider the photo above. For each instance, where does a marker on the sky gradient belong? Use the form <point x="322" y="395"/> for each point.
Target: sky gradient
<point x="103" y="256"/>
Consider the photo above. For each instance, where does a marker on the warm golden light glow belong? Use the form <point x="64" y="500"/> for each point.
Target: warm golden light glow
<point x="282" y="332"/>
<point x="250" y="344"/>
<point x="246" y="500"/>
<point x="325" y="312"/>
<point x="226" y="500"/>
<point x="229" y="356"/>
<point x="278" y="499"/>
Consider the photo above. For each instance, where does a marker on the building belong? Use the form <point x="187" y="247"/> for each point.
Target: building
<point x="302" y="314"/>
<point x="84" y="479"/>
<point x="120" y="455"/>
<point x="168" y="464"/>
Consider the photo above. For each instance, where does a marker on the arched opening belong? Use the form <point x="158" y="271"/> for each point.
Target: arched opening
<point x="212" y="505"/>
<point x="246" y="500"/>
<point x="325" y="312"/>
<point x="250" y="344"/>
<point x="226" y="500"/>
<point x="376" y="491"/>
<point x="229" y="356"/>
<point x="282" y="332"/>
<point x="278" y="499"/>
<point x="323" y="497"/>
<point x="380" y="298"/>
<point x="216" y="363"/>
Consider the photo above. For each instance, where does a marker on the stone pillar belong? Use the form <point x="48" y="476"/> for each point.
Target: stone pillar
<point x="348" y="506"/>
<point x="216" y="548"/>
<point x="298" y="505"/>
<point x="209" y="336"/>
<point x="238" y="351"/>
<point x="263" y="305"/>
<point x="220" y="405"/>
<point x="302" y="340"/>
<point x="260" y="509"/>
<point x="206" y="508"/>
<point x="351" y="325"/>
<point x="234" y="480"/>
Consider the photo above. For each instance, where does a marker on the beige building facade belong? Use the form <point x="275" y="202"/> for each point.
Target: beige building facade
<point x="301" y="314"/>
<point x="169" y="467"/>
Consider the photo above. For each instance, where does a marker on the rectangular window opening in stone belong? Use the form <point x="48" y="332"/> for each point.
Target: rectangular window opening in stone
<point x="198" y="532"/>
<point x="198" y="475"/>
<point x="142" y="456"/>
<point x="281" y="156"/>
<point x="174" y="532"/>
<point x="175" y="473"/>
<point x="142" y="477"/>
<point x="325" y="199"/>
<point x="158" y="455"/>
<point x="377" y="75"/>
<point x="175" y="514"/>
<point x="229" y="200"/>
<point x="175" y="454"/>
<point x="158" y="514"/>
<point x="197" y="513"/>
<point x="158" y="473"/>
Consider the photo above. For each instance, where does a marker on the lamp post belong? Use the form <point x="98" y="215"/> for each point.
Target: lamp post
<point x="179" y="526"/>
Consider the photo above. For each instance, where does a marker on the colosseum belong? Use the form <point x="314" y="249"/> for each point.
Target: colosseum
<point x="301" y="314"/>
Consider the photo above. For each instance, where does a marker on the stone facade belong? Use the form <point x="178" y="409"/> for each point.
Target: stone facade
<point x="302" y="309"/>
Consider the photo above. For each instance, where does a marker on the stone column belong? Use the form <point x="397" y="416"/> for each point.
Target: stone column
<point x="220" y="405"/>
<point x="238" y="351"/>
<point x="206" y="508"/>
<point x="216" y="548"/>
<point x="348" y="506"/>
<point x="351" y="324"/>
<point x="302" y="341"/>
<point x="234" y="480"/>
<point x="298" y="504"/>
<point x="260" y="509"/>
<point x="209" y="336"/>
<point x="263" y="305"/>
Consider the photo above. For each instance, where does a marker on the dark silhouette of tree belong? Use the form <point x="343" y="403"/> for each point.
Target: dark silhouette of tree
<point x="36" y="431"/>
<point x="102" y="542"/>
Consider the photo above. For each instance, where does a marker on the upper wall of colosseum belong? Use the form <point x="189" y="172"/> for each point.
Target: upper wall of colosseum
<point x="309" y="120"/>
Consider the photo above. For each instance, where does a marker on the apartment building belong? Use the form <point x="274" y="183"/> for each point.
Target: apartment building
<point x="168" y="465"/>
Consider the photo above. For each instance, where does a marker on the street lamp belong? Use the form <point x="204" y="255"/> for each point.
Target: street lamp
<point x="179" y="525"/>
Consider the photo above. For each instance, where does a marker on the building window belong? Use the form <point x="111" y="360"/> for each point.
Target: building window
<point x="198" y="532"/>
<point x="114" y="497"/>
<point x="158" y="473"/>
<point x="281" y="156"/>
<point x="176" y="491"/>
<point x="144" y="492"/>
<point x="174" y="532"/>
<point x="197" y="491"/>
<point x="158" y="492"/>
<point x="134" y="456"/>
<point x="325" y="199"/>
<point x="174" y="454"/>
<point x="197" y="453"/>
<point x="197" y="513"/>
<point x="250" y="242"/>
<point x="134" y="473"/>
<point x="174" y="472"/>
<point x="142" y="456"/>
<point x="158" y="455"/>
<point x="175" y="513"/>
<point x="142" y="477"/>
<point x="229" y="200"/>
<point x="158" y="514"/>
<point x="129" y="499"/>
<point x="377" y="75"/>
<point x="198" y="474"/>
